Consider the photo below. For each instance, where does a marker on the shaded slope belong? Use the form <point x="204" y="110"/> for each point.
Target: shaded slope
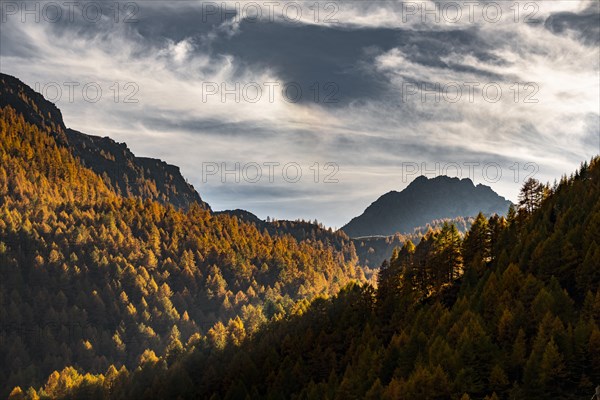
<point x="516" y="325"/>
<point x="423" y="201"/>
<point x="92" y="279"/>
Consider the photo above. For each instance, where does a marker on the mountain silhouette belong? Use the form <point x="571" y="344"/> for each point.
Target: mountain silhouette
<point x="423" y="201"/>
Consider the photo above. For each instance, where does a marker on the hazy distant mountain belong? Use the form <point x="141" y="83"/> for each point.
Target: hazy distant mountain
<point x="373" y="250"/>
<point x="245" y="216"/>
<point x="121" y="170"/>
<point x="370" y="250"/>
<point x="423" y="201"/>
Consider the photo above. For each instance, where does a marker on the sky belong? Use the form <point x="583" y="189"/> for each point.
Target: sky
<point x="315" y="109"/>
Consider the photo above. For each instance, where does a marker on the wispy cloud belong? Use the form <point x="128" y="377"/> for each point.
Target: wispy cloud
<point x="373" y="56"/>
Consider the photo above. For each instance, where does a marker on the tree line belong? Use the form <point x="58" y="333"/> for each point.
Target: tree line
<point x="510" y="310"/>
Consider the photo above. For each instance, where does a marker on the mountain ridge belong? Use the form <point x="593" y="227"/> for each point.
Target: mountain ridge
<point x="123" y="171"/>
<point x="423" y="201"/>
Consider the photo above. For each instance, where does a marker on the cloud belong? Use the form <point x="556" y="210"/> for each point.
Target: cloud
<point x="195" y="74"/>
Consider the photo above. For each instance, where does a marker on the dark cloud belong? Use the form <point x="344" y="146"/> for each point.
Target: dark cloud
<point x="211" y="126"/>
<point x="14" y="43"/>
<point x="307" y="54"/>
<point x="586" y="24"/>
<point x="187" y="19"/>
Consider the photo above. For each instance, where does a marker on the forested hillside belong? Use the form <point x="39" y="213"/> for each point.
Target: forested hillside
<point x="509" y="311"/>
<point x="126" y="174"/>
<point x="373" y="250"/>
<point x="370" y="250"/>
<point x="94" y="279"/>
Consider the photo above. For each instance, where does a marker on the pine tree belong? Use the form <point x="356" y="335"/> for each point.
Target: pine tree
<point x="531" y="196"/>
<point x="552" y="370"/>
<point x="477" y="243"/>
